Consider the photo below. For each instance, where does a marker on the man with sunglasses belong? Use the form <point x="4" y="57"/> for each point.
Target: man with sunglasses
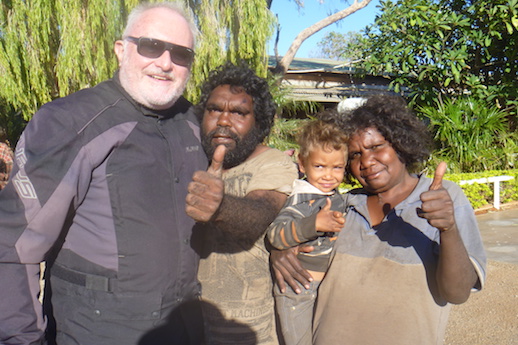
<point x="98" y="192"/>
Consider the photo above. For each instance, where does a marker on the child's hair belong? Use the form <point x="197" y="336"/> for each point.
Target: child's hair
<point x="322" y="132"/>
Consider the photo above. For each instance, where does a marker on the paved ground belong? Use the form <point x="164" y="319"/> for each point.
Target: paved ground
<point x="490" y="317"/>
<point x="499" y="232"/>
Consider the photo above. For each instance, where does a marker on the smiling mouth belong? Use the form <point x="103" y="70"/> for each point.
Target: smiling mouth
<point x="330" y="186"/>
<point x="371" y="176"/>
<point x="160" y="77"/>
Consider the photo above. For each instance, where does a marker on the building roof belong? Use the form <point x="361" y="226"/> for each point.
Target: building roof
<point x="328" y="81"/>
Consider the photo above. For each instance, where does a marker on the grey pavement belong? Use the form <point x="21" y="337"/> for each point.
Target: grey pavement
<point x="499" y="231"/>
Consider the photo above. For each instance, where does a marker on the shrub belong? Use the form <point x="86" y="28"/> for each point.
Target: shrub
<point x="471" y="135"/>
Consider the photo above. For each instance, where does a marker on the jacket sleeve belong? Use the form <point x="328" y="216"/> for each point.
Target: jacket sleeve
<point x="43" y="188"/>
<point x="294" y="225"/>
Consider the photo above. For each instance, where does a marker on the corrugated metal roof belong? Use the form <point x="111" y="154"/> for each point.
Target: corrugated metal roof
<point x="323" y="80"/>
<point x="299" y="65"/>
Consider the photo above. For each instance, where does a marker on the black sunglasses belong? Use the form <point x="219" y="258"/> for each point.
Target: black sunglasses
<point x="153" y="48"/>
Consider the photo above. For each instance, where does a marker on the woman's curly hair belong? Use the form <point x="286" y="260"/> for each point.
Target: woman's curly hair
<point x="241" y="78"/>
<point x="391" y="116"/>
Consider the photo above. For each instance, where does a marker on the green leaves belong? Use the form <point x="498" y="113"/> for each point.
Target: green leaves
<point x="472" y="135"/>
<point x="230" y="30"/>
<point x="51" y="48"/>
<point x="338" y="46"/>
<point x="447" y="48"/>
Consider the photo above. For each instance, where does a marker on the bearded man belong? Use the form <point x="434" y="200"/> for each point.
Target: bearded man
<point x="235" y="200"/>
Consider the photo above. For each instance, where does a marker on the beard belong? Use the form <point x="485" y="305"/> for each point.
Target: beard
<point x="146" y="92"/>
<point x="243" y="146"/>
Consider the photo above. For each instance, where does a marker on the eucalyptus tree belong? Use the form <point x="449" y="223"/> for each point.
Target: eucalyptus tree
<point x="347" y="47"/>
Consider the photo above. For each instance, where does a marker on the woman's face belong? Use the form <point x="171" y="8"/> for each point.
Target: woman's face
<point x="374" y="162"/>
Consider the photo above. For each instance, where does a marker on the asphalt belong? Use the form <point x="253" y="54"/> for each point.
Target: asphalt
<point x="499" y="231"/>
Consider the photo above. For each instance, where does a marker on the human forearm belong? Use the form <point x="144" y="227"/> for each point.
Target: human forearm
<point x="286" y="233"/>
<point x="456" y="275"/>
<point x="244" y="219"/>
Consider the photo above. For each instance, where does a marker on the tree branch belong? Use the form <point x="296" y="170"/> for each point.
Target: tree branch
<point x="284" y="63"/>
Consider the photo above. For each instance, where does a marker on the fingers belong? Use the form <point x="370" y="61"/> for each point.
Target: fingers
<point x="287" y="266"/>
<point x="328" y="220"/>
<point x="205" y="194"/>
<point x="216" y="166"/>
<point x="437" y="208"/>
<point x="306" y="248"/>
<point x="439" y="174"/>
<point x="339" y="216"/>
<point x="279" y="279"/>
<point x="327" y="206"/>
<point x="437" y="205"/>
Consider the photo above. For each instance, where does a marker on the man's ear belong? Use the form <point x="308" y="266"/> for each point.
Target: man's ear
<point x="118" y="48"/>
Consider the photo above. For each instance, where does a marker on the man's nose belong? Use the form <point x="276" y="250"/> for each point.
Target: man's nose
<point x="224" y="119"/>
<point x="164" y="61"/>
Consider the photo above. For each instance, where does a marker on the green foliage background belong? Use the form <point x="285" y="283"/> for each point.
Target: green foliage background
<point x="471" y="135"/>
<point x="479" y="194"/>
<point x="51" y="48"/>
<point x="439" y="49"/>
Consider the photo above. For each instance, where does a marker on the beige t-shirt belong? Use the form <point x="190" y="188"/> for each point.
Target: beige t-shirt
<point x="235" y="278"/>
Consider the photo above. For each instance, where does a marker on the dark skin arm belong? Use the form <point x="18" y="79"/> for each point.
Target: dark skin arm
<point x="246" y="219"/>
<point x="287" y="268"/>
<point x="206" y="190"/>
<point x="455" y="272"/>
<point x="242" y="218"/>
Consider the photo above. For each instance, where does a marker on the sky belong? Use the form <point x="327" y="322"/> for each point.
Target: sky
<point x="293" y="21"/>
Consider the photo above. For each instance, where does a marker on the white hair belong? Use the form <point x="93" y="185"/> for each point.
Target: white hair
<point x="177" y="7"/>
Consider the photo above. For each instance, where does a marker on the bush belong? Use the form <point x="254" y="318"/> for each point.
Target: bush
<point x="471" y="135"/>
<point x="481" y="194"/>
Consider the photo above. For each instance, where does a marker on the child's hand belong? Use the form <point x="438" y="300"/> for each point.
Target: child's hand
<point x="328" y="220"/>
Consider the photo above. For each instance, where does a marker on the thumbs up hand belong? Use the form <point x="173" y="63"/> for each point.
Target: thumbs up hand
<point x="328" y="220"/>
<point x="437" y="206"/>
<point x="205" y="191"/>
<point x="437" y="178"/>
<point x="216" y="165"/>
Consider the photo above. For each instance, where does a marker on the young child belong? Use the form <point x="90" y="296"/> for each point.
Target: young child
<point x="312" y="215"/>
